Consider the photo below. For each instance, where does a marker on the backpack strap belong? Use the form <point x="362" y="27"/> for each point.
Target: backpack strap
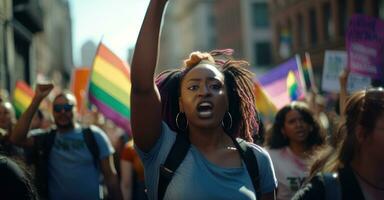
<point x="249" y="158"/>
<point x="41" y="150"/>
<point x="177" y="154"/>
<point x="90" y="141"/>
<point x="331" y="186"/>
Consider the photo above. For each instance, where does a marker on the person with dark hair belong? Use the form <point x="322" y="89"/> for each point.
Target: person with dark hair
<point x="15" y="182"/>
<point x="69" y="159"/>
<point x="354" y="170"/>
<point x="294" y="137"/>
<point x="208" y="103"/>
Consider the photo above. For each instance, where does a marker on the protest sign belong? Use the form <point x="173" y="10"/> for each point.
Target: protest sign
<point x="334" y="63"/>
<point x="365" y="45"/>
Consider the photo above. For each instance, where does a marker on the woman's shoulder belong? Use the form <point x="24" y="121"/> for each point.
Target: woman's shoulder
<point x="260" y="152"/>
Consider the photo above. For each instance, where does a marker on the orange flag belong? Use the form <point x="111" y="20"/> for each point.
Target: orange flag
<point x="79" y="86"/>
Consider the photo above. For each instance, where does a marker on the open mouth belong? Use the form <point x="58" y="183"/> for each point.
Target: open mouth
<point x="301" y="133"/>
<point x="205" y="109"/>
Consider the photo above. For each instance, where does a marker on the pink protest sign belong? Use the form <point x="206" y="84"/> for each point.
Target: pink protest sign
<point x="365" y="45"/>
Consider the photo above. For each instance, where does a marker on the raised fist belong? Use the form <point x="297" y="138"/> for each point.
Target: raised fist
<point x="43" y="89"/>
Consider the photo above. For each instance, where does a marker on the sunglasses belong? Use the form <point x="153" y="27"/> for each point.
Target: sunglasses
<point x="60" y="107"/>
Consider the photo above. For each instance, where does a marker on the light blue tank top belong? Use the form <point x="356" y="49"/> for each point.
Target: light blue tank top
<point x="197" y="178"/>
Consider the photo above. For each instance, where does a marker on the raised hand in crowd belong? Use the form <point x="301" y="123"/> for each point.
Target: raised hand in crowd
<point x="21" y="129"/>
<point x="343" y="80"/>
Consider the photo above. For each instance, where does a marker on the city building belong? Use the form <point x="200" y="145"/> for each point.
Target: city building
<point x="205" y="25"/>
<point x="188" y="26"/>
<point x="245" y="27"/>
<point x="35" y="41"/>
<point x="314" y="26"/>
<point x="88" y="52"/>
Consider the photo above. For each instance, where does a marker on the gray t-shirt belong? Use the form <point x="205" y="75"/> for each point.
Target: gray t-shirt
<point x="197" y="178"/>
<point x="71" y="170"/>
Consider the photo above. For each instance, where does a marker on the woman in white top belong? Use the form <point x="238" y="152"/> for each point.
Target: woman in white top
<point x="294" y="137"/>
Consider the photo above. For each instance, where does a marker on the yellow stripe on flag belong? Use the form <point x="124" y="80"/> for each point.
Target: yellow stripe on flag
<point x="23" y="98"/>
<point x="111" y="73"/>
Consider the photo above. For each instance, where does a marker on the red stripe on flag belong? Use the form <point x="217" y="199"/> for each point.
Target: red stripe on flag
<point x="24" y="87"/>
<point x="112" y="58"/>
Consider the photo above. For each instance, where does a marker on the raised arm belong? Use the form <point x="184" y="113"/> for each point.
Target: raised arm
<point x="343" y="79"/>
<point x="145" y="98"/>
<point x="19" y="134"/>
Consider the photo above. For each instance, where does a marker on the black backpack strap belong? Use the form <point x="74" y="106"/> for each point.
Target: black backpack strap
<point x="91" y="143"/>
<point x="41" y="150"/>
<point x="250" y="161"/>
<point x="177" y="154"/>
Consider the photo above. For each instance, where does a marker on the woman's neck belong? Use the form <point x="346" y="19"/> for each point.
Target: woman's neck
<point x="208" y="139"/>
<point x="299" y="149"/>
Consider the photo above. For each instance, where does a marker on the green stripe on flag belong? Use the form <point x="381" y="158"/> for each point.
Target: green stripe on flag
<point x="112" y="89"/>
<point x="19" y="108"/>
<point x="109" y="101"/>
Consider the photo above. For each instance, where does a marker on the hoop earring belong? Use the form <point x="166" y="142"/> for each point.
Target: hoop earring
<point x="178" y="121"/>
<point x="230" y="120"/>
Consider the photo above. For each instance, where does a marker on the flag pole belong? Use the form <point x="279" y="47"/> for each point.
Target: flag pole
<point x="310" y="72"/>
<point x="301" y="74"/>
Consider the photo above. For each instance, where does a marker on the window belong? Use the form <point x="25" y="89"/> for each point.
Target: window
<point x="328" y="23"/>
<point x="301" y="39"/>
<point x="342" y="10"/>
<point x="378" y="6"/>
<point x="285" y="45"/>
<point x="263" y="53"/>
<point x="312" y="25"/>
<point x="260" y="15"/>
<point x="359" y="6"/>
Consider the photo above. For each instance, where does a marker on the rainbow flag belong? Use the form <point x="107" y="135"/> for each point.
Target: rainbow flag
<point x="264" y="104"/>
<point x="274" y="82"/>
<point x="22" y="97"/>
<point x="110" y="87"/>
<point x="307" y="72"/>
<point x="292" y="86"/>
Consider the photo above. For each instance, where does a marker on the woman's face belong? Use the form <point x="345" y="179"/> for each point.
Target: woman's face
<point x="295" y="128"/>
<point x="203" y="96"/>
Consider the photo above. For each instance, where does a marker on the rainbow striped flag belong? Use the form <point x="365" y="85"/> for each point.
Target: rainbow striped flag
<point x="110" y="87"/>
<point x="264" y="104"/>
<point x="22" y="97"/>
<point x="307" y="72"/>
<point x="274" y="82"/>
<point x="292" y="86"/>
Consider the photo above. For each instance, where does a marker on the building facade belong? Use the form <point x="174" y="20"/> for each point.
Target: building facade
<point x="245" y="27"/>
<point x="188" y="26"/>
<point x="205" y="25"/>
<point x="35" y="41"/>
<point x="314" y="26"/>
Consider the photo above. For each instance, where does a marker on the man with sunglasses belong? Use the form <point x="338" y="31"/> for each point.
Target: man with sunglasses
<point x="72" y="172"/>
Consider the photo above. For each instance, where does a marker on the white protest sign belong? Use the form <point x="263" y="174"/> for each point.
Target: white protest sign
<point x="334" y="64"/>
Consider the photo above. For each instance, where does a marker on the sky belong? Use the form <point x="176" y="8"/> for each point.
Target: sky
<point x="116" y="22"/>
